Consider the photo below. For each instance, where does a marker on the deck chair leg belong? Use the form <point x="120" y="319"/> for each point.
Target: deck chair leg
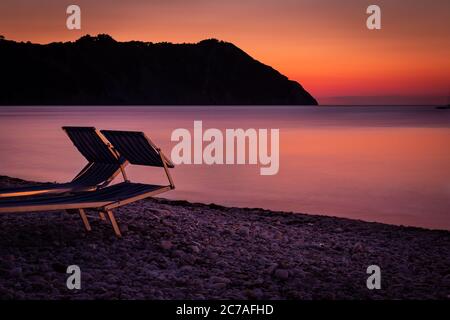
<point x="114" y="223"/>
<point x="102" y="215"/>
<point x="83" y="216"/>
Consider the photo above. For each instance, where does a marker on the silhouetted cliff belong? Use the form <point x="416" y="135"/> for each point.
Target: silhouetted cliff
<point x="101" y="71"/>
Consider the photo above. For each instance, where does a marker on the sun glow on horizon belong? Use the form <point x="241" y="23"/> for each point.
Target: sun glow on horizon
<point x="324" y="45"/>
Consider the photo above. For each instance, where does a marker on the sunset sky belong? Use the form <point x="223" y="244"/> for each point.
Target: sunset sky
<point x="322" y="44"/>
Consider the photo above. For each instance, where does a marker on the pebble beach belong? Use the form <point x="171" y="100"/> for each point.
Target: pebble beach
<point x="180" y="250"/>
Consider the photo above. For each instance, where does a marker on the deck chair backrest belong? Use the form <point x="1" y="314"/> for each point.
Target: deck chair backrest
<point x="97" y="173"/>
<point x="91" y="144"/>
<point x="136" y="148"/>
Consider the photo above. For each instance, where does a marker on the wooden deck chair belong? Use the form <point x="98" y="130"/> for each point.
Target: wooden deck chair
<point x="103" y="166"/>
<point x="137" y="149"/>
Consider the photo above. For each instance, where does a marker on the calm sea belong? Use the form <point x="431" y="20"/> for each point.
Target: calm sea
<point x="386" y="164"/>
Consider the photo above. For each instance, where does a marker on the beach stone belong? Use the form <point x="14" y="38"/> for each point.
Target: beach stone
<point x="166" y="244"/>
<point x="265" y="234"/>
<point x="219" y="279"/>
<point x="10" y="257"/>
<point x="7" y="265"/>
<point x="218" y="285"/>
<point x="226" y="232"/>
<point x="186" y="268"/>
<point x="87" y="276"/>
<point x="274" y="247"/>
<point x="6" y="296"/>
<point x="59" y="267"/>
<point x="255" y="294"/>
<point x="188" y="259"/>
<point x="281" y="274"/>
<point x="213" y="255"/>
<point x="272" y="267"/>
<point x="195" y="249"/>
<point x="163" y="212"/>
<point x="16" y="272"/>
<point x="244" y="231"/>
<point x="261" y="261"/>
<point x="19" y="295"/>
<point x="358" y="247"/>
<point x="178" y="253"/>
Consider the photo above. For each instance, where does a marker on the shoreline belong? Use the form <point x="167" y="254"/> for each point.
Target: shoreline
<point x="174" y="249"/>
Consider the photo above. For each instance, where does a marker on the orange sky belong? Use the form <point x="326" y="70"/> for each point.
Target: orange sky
<point x="323" y="44"/>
